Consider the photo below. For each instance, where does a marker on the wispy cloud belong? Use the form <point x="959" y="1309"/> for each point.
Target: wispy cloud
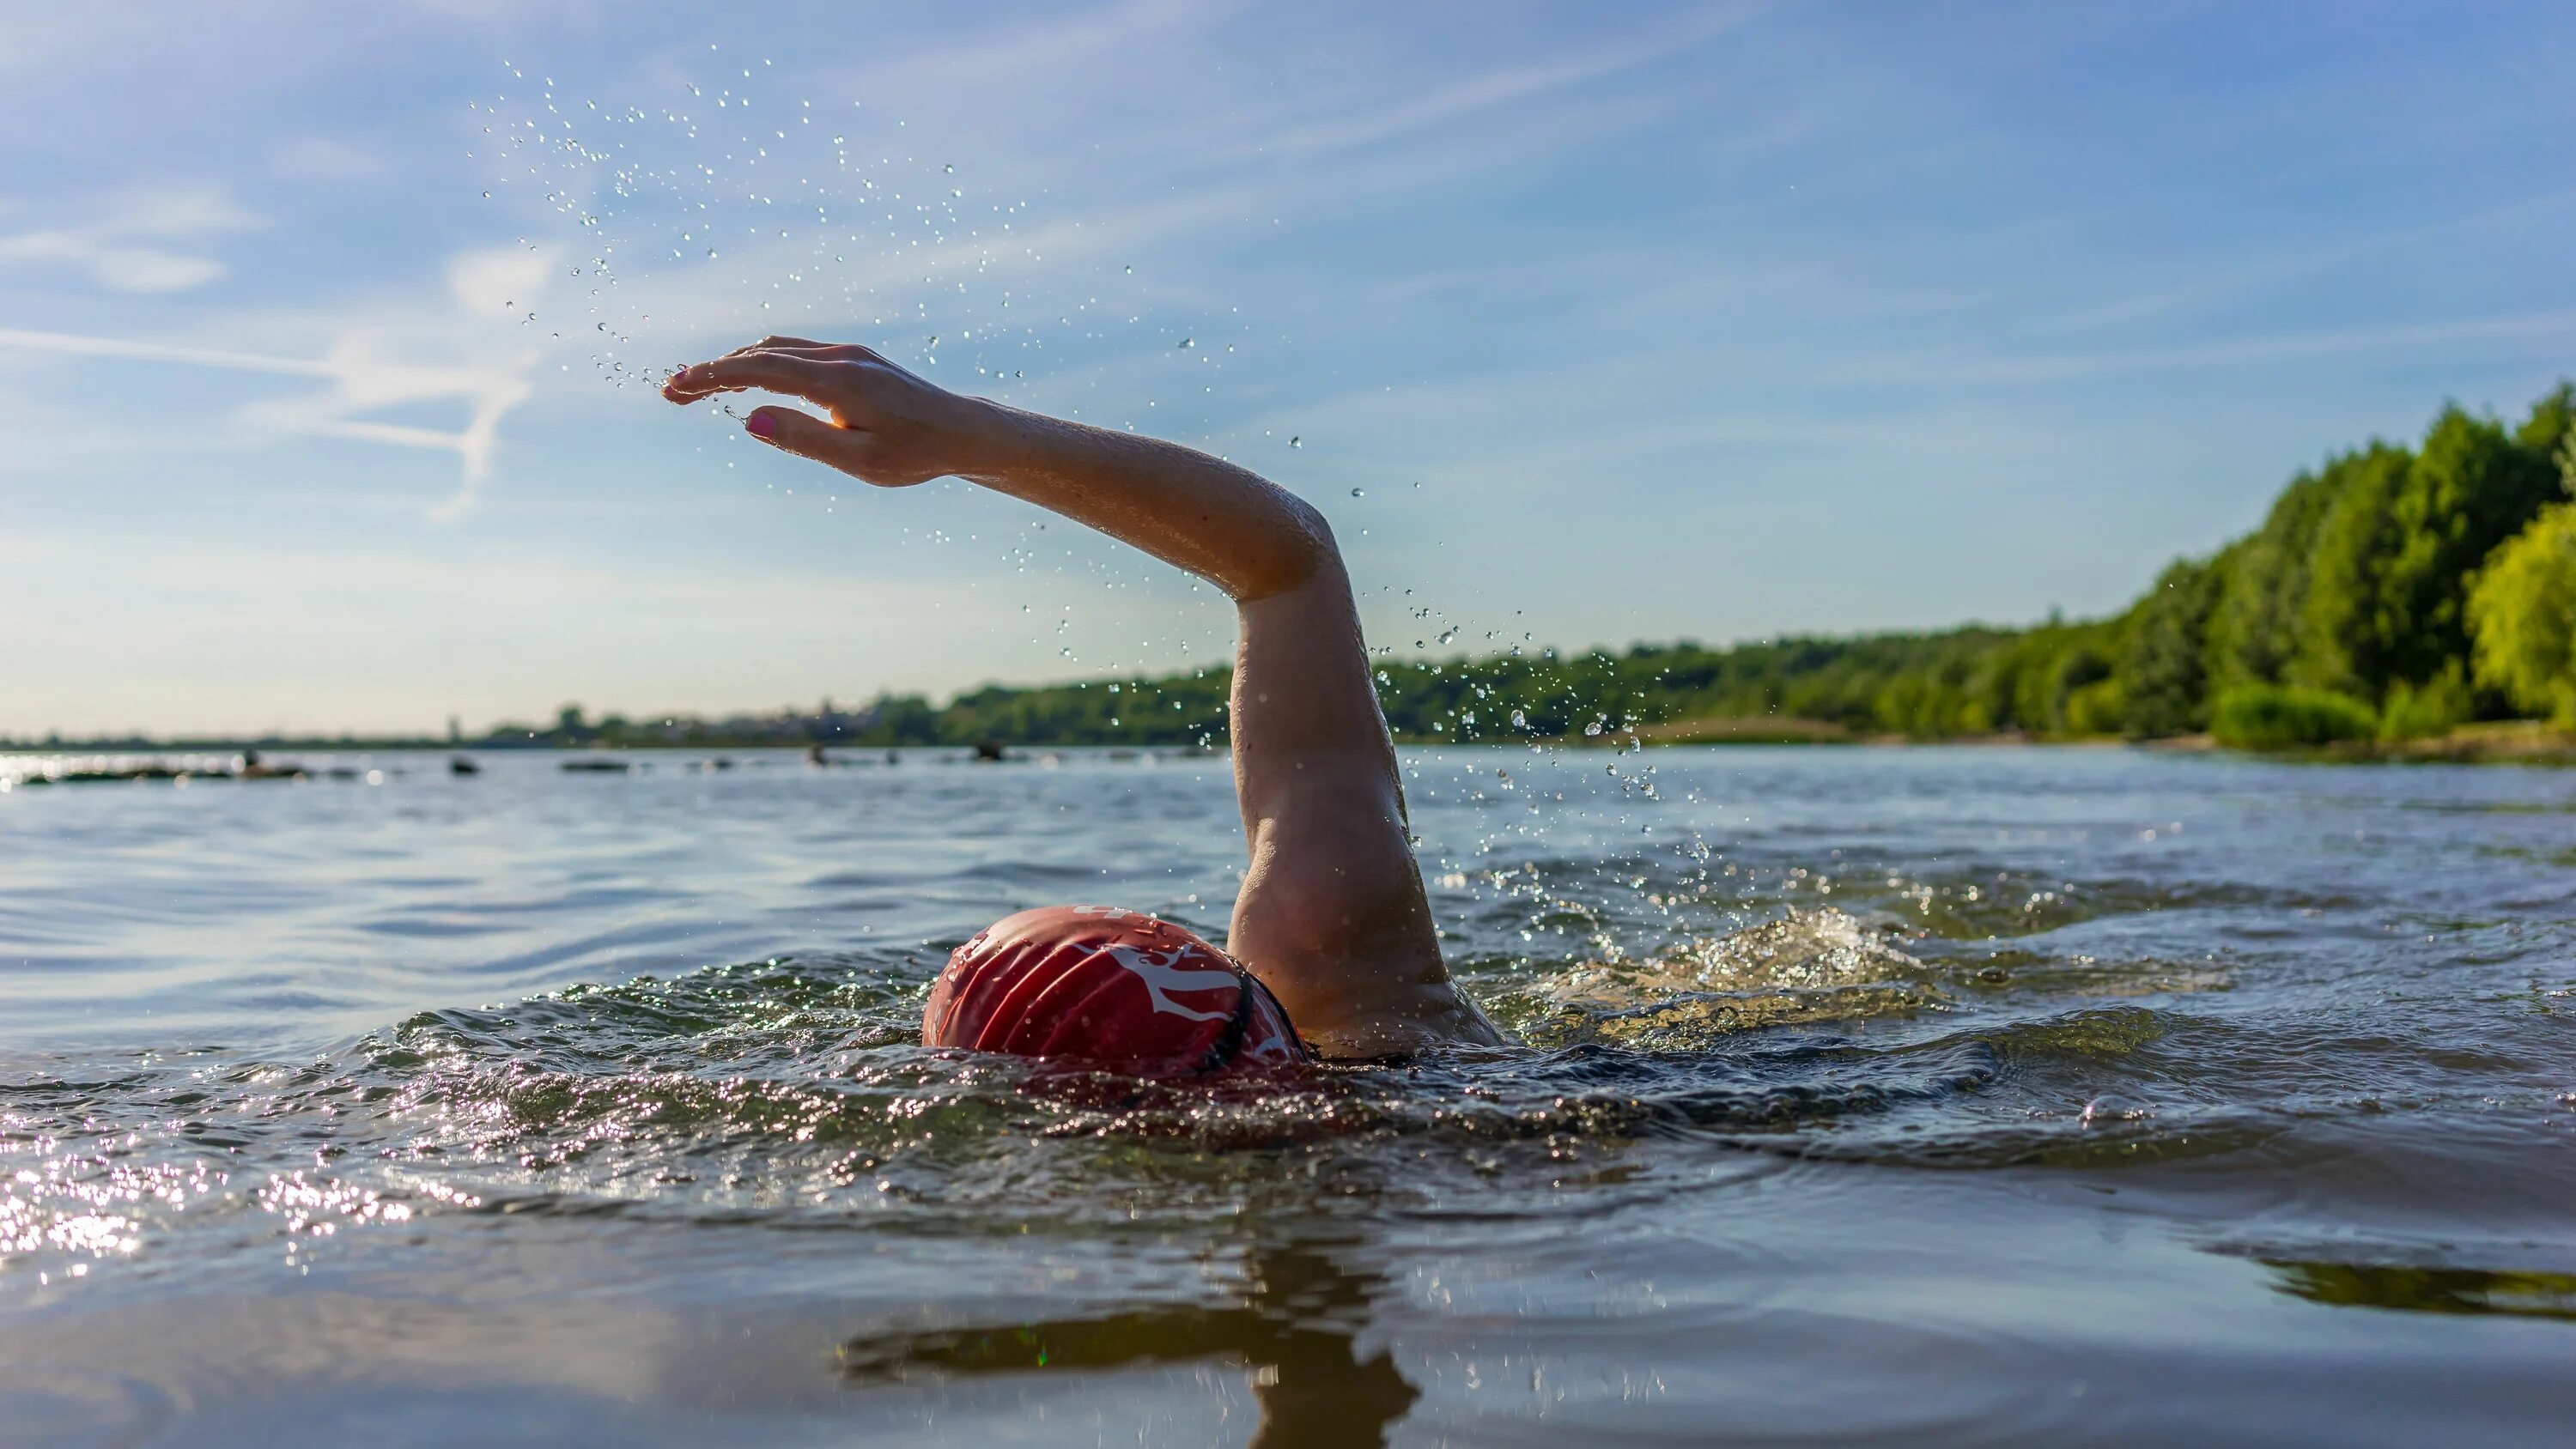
<point x="1957" y="370"/>
<point x="1497" y="89"/>
<point x="1095" y="37"/>
<point x="1389" y="143"/>
<point x="2209" y="284"/>
<point x="124" y="248"/>
<point x="325" y="159"/>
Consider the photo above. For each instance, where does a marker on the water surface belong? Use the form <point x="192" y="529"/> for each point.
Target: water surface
<point x="1920" y="1096"/>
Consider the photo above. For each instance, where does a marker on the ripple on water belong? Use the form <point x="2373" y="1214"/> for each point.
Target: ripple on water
<point x="2279" y="1032"/>
<point x="797" y="1086"/>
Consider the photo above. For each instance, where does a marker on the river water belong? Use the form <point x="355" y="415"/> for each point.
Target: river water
<point x="1907" y="1095"/>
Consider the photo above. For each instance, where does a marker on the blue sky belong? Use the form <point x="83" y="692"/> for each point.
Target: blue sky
<point x="1586" y="324"/>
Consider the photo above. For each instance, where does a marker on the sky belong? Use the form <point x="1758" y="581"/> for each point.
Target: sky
<point x="327" y="331"/>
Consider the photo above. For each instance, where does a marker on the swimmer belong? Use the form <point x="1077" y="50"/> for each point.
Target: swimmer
<point x="1332" y="930"/>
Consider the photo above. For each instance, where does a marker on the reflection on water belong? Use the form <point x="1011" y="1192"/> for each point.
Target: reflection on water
<point x="2430" y="1290"/>
<point x="1921" y="1095"/>
<point x="1295" y="1329"/>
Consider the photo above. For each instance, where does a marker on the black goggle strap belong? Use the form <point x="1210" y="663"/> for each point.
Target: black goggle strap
<point x="1247" y="1000"/>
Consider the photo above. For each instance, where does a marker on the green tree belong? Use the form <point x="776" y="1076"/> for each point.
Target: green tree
<point x="2523" y="614"/>
<point x="2254" y="636"/>
<point x="2471" y="486"/>
<point x="2164" y="660"/>
<point x="2084" y="664"/>
<point x="2417" y="711"/>
<point x="2280" y="717"/>
<point x="2348" y="639"/>
<point x="899" y="719"/>
<point x="2552" y="424"/>
<point x="2098" y="708"/>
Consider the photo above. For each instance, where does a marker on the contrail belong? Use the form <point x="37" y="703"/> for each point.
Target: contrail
<point x="487" y="398"/>
<point x="163" y="352"/>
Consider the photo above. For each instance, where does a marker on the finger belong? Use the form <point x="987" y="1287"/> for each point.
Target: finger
<point x="805" y="377"/>
<point x="688" y="384"/>
<point x="805" y="435"/>
<point x="821" y="351"/>
<point x="808" y="347"/>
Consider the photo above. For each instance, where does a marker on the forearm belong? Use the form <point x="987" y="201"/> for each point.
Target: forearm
<point x="1224" y="523"/>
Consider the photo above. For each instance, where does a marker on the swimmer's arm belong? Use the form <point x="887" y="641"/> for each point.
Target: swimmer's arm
<point x="887" y="427"/>
<point x="1332" y="915"/>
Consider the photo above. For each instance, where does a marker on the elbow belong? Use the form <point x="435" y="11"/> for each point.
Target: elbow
<point x="1315" y="550"/>
<point x="1303" y="549"/>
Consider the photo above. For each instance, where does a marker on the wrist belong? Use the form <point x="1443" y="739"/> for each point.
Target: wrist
<point x="989" y="441"/>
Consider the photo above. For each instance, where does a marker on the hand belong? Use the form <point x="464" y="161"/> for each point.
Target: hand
<point x="886" y="426"/>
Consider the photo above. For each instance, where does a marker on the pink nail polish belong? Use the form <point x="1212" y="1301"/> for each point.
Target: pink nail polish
<point x="679" y="377"/>
<point x="759" y="425"/>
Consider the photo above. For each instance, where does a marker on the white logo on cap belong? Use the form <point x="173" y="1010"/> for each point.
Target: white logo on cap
<point x="1161" y="977"/>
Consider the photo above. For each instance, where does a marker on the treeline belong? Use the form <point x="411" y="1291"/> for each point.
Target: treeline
<point x="2411" y="588"/>
<point x="2394" y="590"/>
<point x="1974" y="680"/>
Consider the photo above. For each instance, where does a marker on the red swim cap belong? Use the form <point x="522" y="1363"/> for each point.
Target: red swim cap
<point x="1107" y="987"/>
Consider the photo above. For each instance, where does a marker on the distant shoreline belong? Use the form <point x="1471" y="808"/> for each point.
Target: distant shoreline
<point x="2527" y="742"/>
<point x="2491" y="742"/>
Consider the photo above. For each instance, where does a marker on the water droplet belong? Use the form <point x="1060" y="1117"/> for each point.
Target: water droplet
<point x="1296" y="442"/>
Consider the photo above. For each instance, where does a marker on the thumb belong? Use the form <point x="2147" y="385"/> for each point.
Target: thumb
<point x="803" y="434"/>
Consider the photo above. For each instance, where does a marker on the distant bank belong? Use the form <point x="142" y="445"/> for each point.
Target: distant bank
<point x="2405" y="602"/>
